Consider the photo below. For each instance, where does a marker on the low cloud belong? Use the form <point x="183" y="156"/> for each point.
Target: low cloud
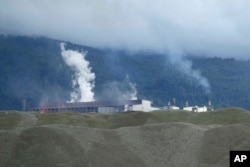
<point x="175" y="28"/>
<point x="211" y="28"/>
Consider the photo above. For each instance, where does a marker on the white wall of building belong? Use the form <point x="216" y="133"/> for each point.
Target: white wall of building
<point x="144" y="106"/>
<point x="202" y="109"/>
<point x="172" y="108"/>
<point x="189" y="108"/>
<point x="195" y="109"/>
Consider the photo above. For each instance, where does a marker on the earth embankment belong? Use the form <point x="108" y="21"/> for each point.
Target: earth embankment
<point x="126" y="139"/>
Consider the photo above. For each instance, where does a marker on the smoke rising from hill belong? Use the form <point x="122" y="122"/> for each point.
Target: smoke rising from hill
<point x="83" y="81"/>
<point x="185" y="66"/>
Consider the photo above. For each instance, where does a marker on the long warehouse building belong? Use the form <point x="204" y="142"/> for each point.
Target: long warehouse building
<point x="100" y="106"/>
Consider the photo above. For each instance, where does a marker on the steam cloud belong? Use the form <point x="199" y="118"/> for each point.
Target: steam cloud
<point x="119" y="91"/>
<point x="184" y="65"/>
<point x="83" y="81"/>
<point x="132" y="91"/>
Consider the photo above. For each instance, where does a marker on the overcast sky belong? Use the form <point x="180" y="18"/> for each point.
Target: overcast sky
<point x="207" y="27"/>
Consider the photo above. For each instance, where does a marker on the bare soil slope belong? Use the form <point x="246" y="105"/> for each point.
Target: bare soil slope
<point x="145" y="140"/>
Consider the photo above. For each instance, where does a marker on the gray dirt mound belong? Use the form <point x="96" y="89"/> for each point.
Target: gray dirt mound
<point x="217" y="142"/>
<point x="155" y="145"/>
<point x="28" y="120"/>
<point x="43" y="146"/>
<point x="161" y="145"/>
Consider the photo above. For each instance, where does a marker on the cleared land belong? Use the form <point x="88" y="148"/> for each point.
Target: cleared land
<point x="155" y="139"/>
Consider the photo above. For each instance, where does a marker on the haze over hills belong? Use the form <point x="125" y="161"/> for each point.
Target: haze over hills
<point x="33" y="69"/>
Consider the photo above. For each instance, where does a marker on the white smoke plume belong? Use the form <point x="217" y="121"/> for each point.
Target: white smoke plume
<point x="83" y="81"/>
<point x="119" y="91"/>
<point x="132" y="91"/>
<point x="185" y="66"/>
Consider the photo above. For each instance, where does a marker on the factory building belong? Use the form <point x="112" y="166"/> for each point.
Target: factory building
<point x="209" y="107"/>
<point x="100" y="106"/>
<point x="172" y="106"/>
<point x="196" y="109"/>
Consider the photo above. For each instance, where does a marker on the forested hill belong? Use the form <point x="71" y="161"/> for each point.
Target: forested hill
<point x="33" y="70"/>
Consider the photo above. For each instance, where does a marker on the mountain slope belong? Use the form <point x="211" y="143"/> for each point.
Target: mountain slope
<point x="33" y="70"/>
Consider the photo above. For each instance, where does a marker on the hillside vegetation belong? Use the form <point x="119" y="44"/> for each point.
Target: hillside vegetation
<point x="225" y="116"/>
<point x="135" y="118"/>
<point x="135" y="139"/>
<point x="33" y="71"/>
<point x="9" y="119"/>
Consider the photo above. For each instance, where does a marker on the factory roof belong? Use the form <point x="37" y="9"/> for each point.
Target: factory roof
<point x="93" y="104"/>
<point x="102" y="103"/>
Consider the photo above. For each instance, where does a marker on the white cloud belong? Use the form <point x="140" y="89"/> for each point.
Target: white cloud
<point x="214" y="27"/>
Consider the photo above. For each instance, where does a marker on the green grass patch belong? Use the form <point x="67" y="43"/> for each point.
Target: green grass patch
<point x="93" y="120"/>
<point x="133" y="118"/>
<point x="137" y="118"/>
<point x="65" y="118"/>
<point x="162" y="116"/>
<point x="9" y="119"/>
<point x="222" y="116"/>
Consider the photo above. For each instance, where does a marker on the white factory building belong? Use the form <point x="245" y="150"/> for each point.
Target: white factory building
<point x="196" y="108"/>
<point x="171" y="107"/>
<point x="101" y="106"/>
<point x="140" y="105"/>
<point x="209" y="107"/>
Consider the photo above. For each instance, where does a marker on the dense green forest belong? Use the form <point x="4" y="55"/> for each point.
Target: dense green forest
<point x="32" y="70"/>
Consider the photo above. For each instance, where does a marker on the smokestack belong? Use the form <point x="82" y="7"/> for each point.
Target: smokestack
<point x="209" y="103"/>
<point x="210" y="107"/>
<point x="169" y="103"/>
<point x="174" y="101"/>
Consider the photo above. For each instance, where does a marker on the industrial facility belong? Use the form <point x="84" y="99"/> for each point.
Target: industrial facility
<point x="117" y="106"/>
<point x="100" y="106"/>
<point x="195" y="108"/>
